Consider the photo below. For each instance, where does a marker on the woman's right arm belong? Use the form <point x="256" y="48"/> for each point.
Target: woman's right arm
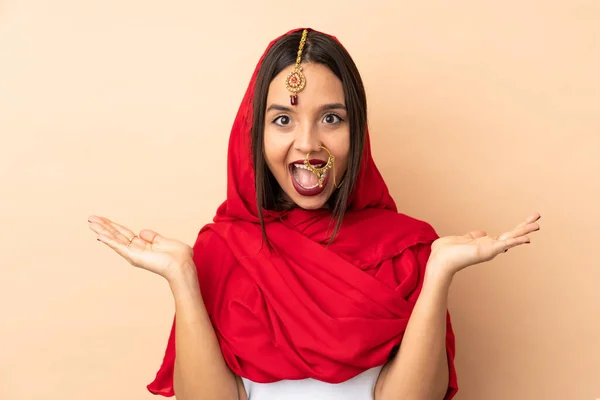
<point x="200" y="369"/>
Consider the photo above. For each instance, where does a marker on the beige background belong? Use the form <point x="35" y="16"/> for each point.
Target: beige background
<point x="481" y="112"/>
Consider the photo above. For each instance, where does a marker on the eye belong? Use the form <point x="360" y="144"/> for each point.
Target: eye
<point x="282" y="120"/>
<point x="332" y="119"/>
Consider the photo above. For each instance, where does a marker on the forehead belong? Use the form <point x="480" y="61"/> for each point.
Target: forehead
<point x="322" y="87"/>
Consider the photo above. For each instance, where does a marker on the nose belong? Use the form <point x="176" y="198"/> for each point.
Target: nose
<point x="307" y="140"/>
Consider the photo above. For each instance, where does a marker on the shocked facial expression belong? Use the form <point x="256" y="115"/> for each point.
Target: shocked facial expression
<point x="319" y="119"/>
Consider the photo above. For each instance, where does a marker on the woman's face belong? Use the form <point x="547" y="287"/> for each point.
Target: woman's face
<point x="291" y="132"/>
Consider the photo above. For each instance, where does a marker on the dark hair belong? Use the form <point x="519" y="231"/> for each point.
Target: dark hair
<point x="321" y="49"/>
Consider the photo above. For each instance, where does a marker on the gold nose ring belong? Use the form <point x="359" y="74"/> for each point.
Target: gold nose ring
<point x="321" y="171"/>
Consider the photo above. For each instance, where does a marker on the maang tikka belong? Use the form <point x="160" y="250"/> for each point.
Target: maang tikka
<point x="295" y="83"/>
<point x="296" y="80"/>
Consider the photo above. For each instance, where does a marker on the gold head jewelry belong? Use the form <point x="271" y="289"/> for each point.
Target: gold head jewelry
<point x="321" y="171"/>
<point x="296" y="80"/>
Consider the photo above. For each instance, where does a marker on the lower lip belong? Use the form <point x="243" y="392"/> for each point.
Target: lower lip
<point x="309" y="192"/>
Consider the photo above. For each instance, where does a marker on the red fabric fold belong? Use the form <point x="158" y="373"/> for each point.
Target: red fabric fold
<point x="305" y="309"/>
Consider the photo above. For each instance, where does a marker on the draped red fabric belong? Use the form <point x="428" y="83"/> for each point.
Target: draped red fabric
<point x="305" y="309"/>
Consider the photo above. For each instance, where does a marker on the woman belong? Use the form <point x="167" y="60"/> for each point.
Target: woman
<point x="309" y="283"/>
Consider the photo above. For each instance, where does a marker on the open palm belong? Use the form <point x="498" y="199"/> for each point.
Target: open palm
<point x="148" y="250"/>
<point x="458" y="252"/>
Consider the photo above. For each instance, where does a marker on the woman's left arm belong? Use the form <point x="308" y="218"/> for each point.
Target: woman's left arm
<point x="420" y="369"/>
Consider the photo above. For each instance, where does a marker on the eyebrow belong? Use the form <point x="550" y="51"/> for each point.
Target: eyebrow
<point x="325" y="107"/>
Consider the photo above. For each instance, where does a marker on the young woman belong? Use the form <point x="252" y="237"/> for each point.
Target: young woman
<point x="308" y="284"/>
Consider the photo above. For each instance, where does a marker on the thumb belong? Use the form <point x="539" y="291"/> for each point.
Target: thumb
<point x="475" y="234"/>
<point x="150" y="236"/>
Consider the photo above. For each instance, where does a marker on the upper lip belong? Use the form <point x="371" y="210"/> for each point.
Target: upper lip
<point x="314" y="161"/>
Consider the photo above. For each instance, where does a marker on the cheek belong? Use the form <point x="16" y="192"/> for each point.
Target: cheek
<point x="275" y="153"/>
<point x="343" y="152"/>
<point x="342" y="164"/>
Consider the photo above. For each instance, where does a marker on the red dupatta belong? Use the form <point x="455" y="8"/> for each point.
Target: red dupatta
<point x="304" y="309"/>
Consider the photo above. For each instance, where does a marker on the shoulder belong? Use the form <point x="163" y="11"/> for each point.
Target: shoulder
<point x="208" y="238"/>
<point x="211" y="251"/>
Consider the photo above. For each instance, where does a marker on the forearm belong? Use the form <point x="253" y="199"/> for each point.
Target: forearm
<point x="200" y="370"/>
<point x="420" y="369"/>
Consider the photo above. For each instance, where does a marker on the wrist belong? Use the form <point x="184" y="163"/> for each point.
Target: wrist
<point x="435" y="272"/>
<point x="182" y="275"/>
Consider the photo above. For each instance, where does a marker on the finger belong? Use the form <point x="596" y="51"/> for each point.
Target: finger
<point x="520" y="231"/>
<point x="527" y="229"/>
<point x="150" y="236"/>
<point x="530" y="219"/>
<point x="107" y="229"/>
<point x="534" y="217"/>
<point x="100" y="228"/>
<point x="99" y="220"/>
<point x="505" y="245"/>
<point x="522" y="227"/>
<point x="128" y="233"/>
<point x="97" y="223"/>
<point x="138" y="243"/>
<point x="94" y="218"/>
<point x="120" y="248"/>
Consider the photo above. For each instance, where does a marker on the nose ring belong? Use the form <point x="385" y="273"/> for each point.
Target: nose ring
<point x="320" y="171"/>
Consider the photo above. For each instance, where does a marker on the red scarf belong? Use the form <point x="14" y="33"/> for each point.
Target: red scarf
<point x="305" y="310"/>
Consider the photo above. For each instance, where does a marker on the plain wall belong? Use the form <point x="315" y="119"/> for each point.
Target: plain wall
<point x="480" y="113"/>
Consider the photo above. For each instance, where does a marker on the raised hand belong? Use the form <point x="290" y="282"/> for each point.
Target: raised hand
<point x="453" y="253"/>
<point x="148" y="250"/>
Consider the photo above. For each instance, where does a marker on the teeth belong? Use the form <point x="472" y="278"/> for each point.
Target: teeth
<point x="305" y="167"/>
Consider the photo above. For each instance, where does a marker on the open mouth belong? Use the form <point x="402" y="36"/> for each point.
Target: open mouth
<point x="304" y="181"/>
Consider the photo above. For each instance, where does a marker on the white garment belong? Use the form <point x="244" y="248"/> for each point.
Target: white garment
<point x="360" y="387"/>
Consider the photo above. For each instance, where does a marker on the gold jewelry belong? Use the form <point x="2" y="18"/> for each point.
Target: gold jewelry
<point x="296" y="81"/>
<point x="321" y="171"/>
<point x="131" y="240"/>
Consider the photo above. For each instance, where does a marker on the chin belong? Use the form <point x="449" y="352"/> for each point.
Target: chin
<point x="310" y="202"/>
